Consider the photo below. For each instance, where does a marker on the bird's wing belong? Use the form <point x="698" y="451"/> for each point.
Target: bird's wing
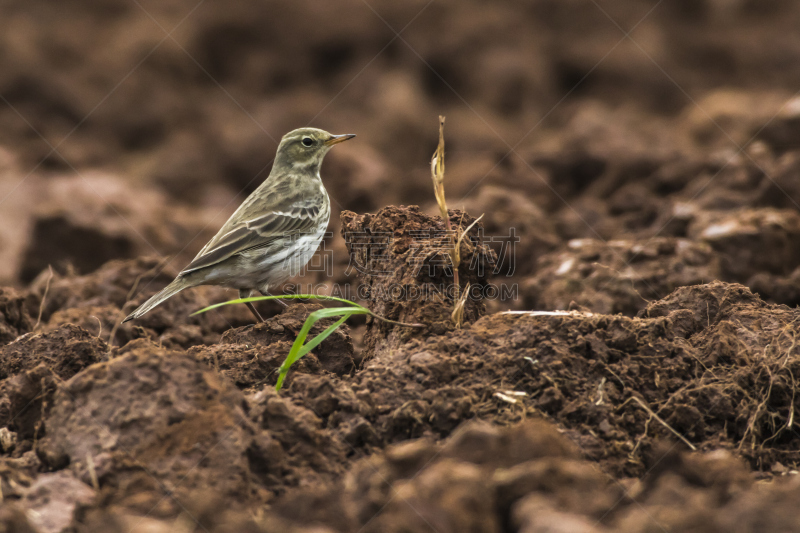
<point x="296" y="218"/>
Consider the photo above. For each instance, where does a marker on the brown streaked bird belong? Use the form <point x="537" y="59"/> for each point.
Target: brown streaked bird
<point x="274" y="232"/>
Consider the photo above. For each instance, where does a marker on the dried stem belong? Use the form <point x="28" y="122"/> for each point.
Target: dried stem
<point x="437" y="174"/>
<point x="44" y="298"/>
<point x="660" y="421"/>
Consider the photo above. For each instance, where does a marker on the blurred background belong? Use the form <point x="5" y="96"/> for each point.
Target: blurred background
<point x="136" y="127"/>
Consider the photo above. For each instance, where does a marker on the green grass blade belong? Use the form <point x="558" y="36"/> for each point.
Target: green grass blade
<point x="309" y="323"/>
<point x="280" y="297"/>
<point x="298" y="349"/>
<point x="313" y="343"/>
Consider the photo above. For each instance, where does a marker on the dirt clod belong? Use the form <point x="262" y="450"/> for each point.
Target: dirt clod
<point x="401" y="257"/>
<point x="66" y="351"/>
<point x="14" y="318"/>
<point x="182" y="427"/>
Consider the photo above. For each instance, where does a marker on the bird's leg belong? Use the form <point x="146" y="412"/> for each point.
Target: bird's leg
<point x="266" y="293"/>
<point x="245" y="293"/>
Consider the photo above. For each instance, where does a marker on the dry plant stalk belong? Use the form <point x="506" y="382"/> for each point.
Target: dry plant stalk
<point x="437" y="174"/>
<point x="458" y="309"/>
<point x="437" y="171"/>
<point x="44" y="298"/>
<point x="92" y="471"/>
<point x="659" y="420"/>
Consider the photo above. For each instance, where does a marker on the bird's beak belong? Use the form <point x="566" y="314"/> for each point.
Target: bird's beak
<point x="336" y="139"/>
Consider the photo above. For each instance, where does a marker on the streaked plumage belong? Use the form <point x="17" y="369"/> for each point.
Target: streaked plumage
<point x="274" y="232"/>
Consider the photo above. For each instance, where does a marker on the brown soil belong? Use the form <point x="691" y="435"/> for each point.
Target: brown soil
<point x="641" y="192"/>
<point x="589" y="401"/>
<point x="403" y="268"/>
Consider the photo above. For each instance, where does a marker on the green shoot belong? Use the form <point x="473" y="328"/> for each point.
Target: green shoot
<point x="300" y="346"/>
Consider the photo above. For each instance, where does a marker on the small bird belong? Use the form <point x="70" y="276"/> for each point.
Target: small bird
<point x="274" y="232"/>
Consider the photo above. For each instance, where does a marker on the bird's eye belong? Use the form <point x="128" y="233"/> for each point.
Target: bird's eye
<point x="308" y="141"/>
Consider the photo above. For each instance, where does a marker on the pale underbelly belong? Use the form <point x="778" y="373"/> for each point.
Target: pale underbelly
<point x="268" y="267"/>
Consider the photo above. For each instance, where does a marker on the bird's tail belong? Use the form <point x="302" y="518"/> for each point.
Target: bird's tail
<point x="167" y="292"/>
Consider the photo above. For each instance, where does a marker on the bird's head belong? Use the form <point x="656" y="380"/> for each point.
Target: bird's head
<point x="304" y="148"/>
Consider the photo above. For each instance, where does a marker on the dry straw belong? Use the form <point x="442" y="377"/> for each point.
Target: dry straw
<point x="437" y="174"/>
